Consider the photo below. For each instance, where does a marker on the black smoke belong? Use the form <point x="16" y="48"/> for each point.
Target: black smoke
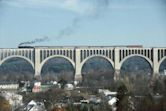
<point x="37" y="40"/>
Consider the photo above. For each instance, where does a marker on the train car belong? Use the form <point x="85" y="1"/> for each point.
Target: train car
<point x="134" y="46"/>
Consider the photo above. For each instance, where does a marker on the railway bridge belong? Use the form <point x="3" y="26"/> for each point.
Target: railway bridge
<point x="78" y="55"/>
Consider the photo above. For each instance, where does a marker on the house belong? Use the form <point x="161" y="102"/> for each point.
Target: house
<point x="69" y="87"/>
<point x="107" y="92"/>
<point x="94" y="99"/>
<point x="36" y="87"/>
<point x="112" y="102"/>
<point x="35" y="106"/>
<point x="39" y="87"/>
<point x="8" y="86"/>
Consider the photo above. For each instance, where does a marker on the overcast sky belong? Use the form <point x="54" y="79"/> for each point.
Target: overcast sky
<point x="83" y="22"/>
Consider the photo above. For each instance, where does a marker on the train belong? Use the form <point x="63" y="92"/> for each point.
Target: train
<point x="26" y="47"/>
<point x="127" y="46"/>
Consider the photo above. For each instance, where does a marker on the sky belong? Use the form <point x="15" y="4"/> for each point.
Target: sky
<point x="82" y="22"/>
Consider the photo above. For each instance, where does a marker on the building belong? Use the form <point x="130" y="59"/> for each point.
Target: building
<point x="107" y="92"/>
<point x="36" y="87"/>
<point x="112" y="102"/>
<point x="39" y="87"/>
<point x="8" y="86"/>
<point x="35" y="106"/>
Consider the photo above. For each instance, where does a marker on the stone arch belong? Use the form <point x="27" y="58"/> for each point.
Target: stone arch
<point x="136" y="55"/>
<point x="17" y="56"/>
<point x="88" y="58"/>
<point x="56" y="56"/>
<point x="160" y="62"/>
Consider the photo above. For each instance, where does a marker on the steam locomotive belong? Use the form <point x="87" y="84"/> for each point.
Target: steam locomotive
<point x="20" y="46"/>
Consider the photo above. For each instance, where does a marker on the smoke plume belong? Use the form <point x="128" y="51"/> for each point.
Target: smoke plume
<point x="37" y="40"/>
<point x="69" y="30"/>
<point x="95" y="9"/>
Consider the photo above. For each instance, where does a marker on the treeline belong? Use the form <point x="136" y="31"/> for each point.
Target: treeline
<point x="142" y="93"/>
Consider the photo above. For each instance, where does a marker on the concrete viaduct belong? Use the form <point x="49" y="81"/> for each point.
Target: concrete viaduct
<point x="77" y="56"/>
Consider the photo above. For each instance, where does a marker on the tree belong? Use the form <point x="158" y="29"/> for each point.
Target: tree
<point x="58" y="109"/>
<point x="124" y="102"/>
<point x="4" y="105"/>
<point x="146" y="103"/>
<point x="62" y="82"/>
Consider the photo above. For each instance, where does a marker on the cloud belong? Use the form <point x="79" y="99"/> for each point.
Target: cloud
<point x="78" y="6"/>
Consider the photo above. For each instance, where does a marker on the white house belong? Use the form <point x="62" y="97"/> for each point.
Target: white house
<point x="107" y="92"/>
<point x="35" y="106"/>
<point x="9" y="85"/>
<point x="69" y="87"/>
<point x="112" y="103"/>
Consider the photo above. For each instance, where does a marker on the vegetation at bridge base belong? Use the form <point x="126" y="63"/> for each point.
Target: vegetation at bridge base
<point x="134" y="93"/>
<point x="141" y="94"/>
<point x="89" y="107"/>
<point x="84" y="107"/>
<point x="137" y="90"/>
<point x="49" y="97"/>
<point x="4" y="104"/>
<point x="98" y="79"/>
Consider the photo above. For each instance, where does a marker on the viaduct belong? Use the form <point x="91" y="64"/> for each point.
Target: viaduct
<point x="78" y="55"/>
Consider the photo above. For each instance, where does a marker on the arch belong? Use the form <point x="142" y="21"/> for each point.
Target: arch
<point x="160" y="62"/>
<point x="136" y="55"/>
<point x="86" y="59"/>
<point x="56" y="56"/>
<point x="17" y="56"/>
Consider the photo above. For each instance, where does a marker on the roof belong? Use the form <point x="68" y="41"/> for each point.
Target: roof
<point x="112" y="101"/>
<point x="32" y="102"/>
